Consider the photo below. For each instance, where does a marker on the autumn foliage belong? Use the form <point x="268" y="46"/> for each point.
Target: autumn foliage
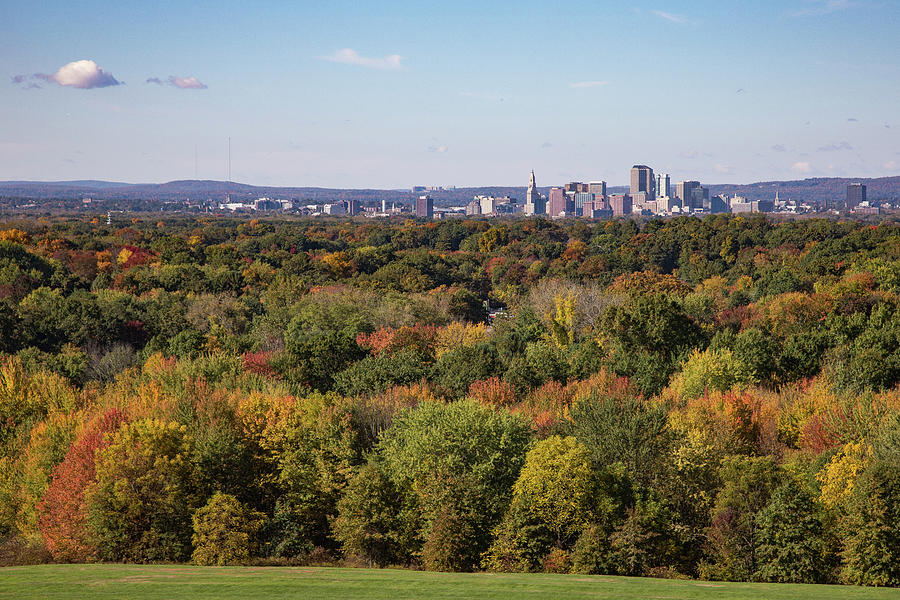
<point x="62" y="510"/>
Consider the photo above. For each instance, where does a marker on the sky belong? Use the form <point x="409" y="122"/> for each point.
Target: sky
<point x="392" y="94"/>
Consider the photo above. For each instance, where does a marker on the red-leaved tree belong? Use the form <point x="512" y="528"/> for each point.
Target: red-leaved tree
<point x="61" y="511"/>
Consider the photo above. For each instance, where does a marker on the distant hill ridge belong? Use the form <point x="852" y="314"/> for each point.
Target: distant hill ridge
<point x="808" y="190"/>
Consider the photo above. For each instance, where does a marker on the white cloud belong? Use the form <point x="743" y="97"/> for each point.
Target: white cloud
<point x="801" y="167"/>
<point x="723" y="169"/>
<point x="891" y="164"/>
<point x="187" y="83"/>
<point x="349" y="56"/>
<point x="588" y="84"/>
<point x="438" y="149"/>
<point x="669" y="17"/>
<point x="835" y="147"/>
<point x="183" y="83"/>
<point x="81" y="74"/>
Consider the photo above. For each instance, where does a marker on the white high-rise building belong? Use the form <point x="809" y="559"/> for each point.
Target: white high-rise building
<point x="534" y="204"/>
<point x="663" y="185"/>
<point x="488" y="204"/>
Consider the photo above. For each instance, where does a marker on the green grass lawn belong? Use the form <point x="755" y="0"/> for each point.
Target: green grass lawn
<point x="264" y="583"/>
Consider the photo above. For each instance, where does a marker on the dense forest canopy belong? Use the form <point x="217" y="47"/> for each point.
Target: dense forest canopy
<point x="712" y="397"/>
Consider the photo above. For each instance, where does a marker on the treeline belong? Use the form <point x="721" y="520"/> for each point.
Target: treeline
<point x="710" y="398"/>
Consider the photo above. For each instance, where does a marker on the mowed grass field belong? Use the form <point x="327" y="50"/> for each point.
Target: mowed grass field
<point x="136" y="582"/>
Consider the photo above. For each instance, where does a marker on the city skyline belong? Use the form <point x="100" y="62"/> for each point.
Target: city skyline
<point x="398" y="94"/>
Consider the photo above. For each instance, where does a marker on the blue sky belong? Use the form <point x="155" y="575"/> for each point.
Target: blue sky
<point x="392" y="94"/>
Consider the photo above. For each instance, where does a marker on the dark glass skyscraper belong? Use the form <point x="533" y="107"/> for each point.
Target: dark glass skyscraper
<point x="856" y="195"/>
<point x="684" y="191"/>
<point x="425" y="207"/>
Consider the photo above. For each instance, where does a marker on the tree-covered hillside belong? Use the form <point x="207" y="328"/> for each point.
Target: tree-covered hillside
<point x="715" y="398"/>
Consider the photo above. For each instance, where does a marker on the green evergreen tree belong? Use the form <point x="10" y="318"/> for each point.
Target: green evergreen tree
<point x="792" y="539"/>
<point x="872" y="545"/>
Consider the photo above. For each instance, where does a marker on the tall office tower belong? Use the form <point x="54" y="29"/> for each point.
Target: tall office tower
<point x="597" y="187"/>
<point x="663" y="186"/>
<point x="620" y="204"/>
<point x="684" y="191"/>
<point x="534" y="203"/>
<point x="383" y="205"/>
<point x="856" y="195"/>
<point x="642" y="180"/>
<point x="425" y="207"/>
<point x="559" y="202"/>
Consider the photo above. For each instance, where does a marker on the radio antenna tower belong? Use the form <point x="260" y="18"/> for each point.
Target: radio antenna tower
<point x="229" y="159"/>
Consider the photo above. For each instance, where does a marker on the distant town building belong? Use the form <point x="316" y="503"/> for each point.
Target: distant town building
<point x="639" y="200"/>
<point x="597" y="188"/>
<point x="507" y="206"/>
<point x="491" y="206"/>
<point x="234" y="206"/>
<point x="266" y="204"/>
<point x="866" y="210"/>
<point x="580" y="199"/>
<point x="620" y="204"/>
<point x="560" y="203"/>
<point x="488" y="204"/>
<point x="648" y="208"/>
<point x="667" y="205"/>
<point x="336" y="208"/>
<point x="741" y="205"/>
<point x="642" y="181"/>
<point x="425" y="207"/>
<point x="597" y="209"/>
<point x="700" y="198"/>
<point x="856" y="195"/>
<point x="714" y="204"/>
<point x="684" y="191"/>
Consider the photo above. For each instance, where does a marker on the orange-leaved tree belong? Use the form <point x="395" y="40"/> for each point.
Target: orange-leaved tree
<point x="61" y="511"/>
